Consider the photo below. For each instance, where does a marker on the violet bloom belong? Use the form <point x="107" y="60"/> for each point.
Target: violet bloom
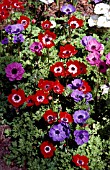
<point x="36" y="47"/>
<point x="93" y="58"/>
<point x="18" y="38"/>
<point x="93" y="45"/>
<point x="102" y="67"/>
<point x="14" y="71"/>
<point x="88" y="97"/>
<point x="14" y="29"/>
<point x="80" y="116"/>
<point x="68" y="9"/>
<point x="108" y="59"/>
<point x="59" y="132"/>
<point x="85" y="40"/>
<point x="97" y="1"/>
<point x="4" y="41"/>
<point x="77" y="95"/>
<point x="81" y="136"/>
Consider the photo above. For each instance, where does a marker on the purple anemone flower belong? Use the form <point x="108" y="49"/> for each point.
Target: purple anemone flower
<point x="4" y="41"/>
<point x="108" y="59"/>
<point x="102" y="67"/>
<point x="14" y="29"/>
<point x="81" y="136"/>
<point x="85" y="40"/>
<point x="88" y="97"/>
<point x="59" y="132"/>
<point x="93" y="45"/>
<point x="93" y="58"/>
<point x="77" y="95"/>
<point x="18" y="38"/>
<point x="97" y="1"/>
<point x="68" y="9"/>
<point x="80" y="116"/>
<point x="76" y="83"/>
<point x="36" y="47"/>
<point x="14" y="71"/>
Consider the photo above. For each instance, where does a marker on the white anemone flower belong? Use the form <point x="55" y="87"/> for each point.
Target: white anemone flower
<point x="92" y="21"/>
<point x="105" y="89"/>
<point x="101" y="8"/>
<point x="107" y="15"/>
<point x="47" y="1"/>
<point x="102" y="21"/>
<point x="53" y="24"/>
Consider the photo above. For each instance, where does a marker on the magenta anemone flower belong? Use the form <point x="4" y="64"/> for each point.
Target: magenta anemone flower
<point x="93" y="58"/>
<point x="36" y="47"/>
<point x="14" y="71"/>
<point x="108" y="59"/>
<point x="94" y="45"/>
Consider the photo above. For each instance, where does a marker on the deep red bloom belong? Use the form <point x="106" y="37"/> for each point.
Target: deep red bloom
<point x="58" y="69"/>
<point x="66" y="117"/>
<point x="4" y="14"/>
<point x="5" y="5"/>
<point x="47" y="38"/>
<point x="45" y="85"/>
<point x="47" y="149"/>
<point x="75" y="22"/>
<point x="16" y="4"/>
<point x="24" y="20"/>
<point x="85" y="87"/>
<point x="67" y="51"/>
<point x="73" y="68"/>
<point x="17" y="97"/>
<point x="83" y="68"/>
<point x="40" y="97"/>
<point x="58" y="88"/>
<point x="81" y="161"/>
<point x="46" y="24"/>
<point x="50" y="116"/>
<point x="29" y="100"/>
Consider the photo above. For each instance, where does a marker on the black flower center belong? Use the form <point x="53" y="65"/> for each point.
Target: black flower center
<point x="36" y="47"/>
<point x="16" y="97"/>
<point x="47" y="39"/>
<point x="72" y="68"/>
<point x="65" y="119"/>
<point x="94" y="59"/>
<point x="68" y="10"/>
<point x="57" y="132"/>
<point x="14" y="71"/>
<point x="40" y="97"/>
<point x="50" y="118"/>
<point x="58" y="69"/>
<point x="47" y="148"/>
<point x="80" y="117"/>
<point x="81" y="136"/>
<point x="93" y="47"/>
<point x="101" y="67"/>
<point x="80" y="162"/>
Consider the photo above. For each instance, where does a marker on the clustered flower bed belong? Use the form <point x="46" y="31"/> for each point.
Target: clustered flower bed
<point x="55" y="81"/>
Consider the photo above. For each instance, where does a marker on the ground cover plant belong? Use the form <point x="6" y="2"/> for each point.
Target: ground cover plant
<point x="55" y="85"/>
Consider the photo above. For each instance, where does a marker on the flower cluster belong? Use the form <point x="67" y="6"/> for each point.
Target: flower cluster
<point x="101" y="18"/>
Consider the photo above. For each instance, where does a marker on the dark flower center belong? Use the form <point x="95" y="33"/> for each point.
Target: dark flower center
<point x="81" y="136"/>
<point x="101" y="67"/>
<point x="47" y="148"/>
<point x="80" y="117"/>
<point x="47" y="86"/>
<point x="93" y="47"/>
<point x="80" y="162"/>
<point x="57" y="132"/>
<point x="17" y="29"/>
<point x="50" y="118"/>
<point x="94" y="59"/>
<point x="14" y="71"/>
<point x="47" y="39"/>
<point x="36" y="47"/>
<point x="65" y="119"/>
<point x="72" y="68"/>
<point x="68" y="10"/>
<point x="58" y="69"/>
<point x="16" y="97"/>
<point x="40" y="97"/>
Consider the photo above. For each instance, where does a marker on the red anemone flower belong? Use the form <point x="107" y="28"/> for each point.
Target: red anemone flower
<point x="66" y="117"/>
<point x="24" y="20"/>
<point x="5" y="5"/>
<point x="29" y="100"/>
<point x="75" y="22"/>
<point x="17" y="97"/>
<point x="47" y="149"/>
<point x="47" y="38"/>
<point x="83" y="68"/>
<point x="85" y="88"/>
<point x="58" y="69"/>
<point x="50" y="116"/>
<point x="67" y="51"/>
<point x="58" y="88"/>
<point x="73" y="68"/>
<point x="81" y="161"/>
<point x="40" y="97"/>
<point x="4" y="14"/>
<point x="16" y="4"/>
<point x="45" y="85"/>
<point x="46" y="24"/>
